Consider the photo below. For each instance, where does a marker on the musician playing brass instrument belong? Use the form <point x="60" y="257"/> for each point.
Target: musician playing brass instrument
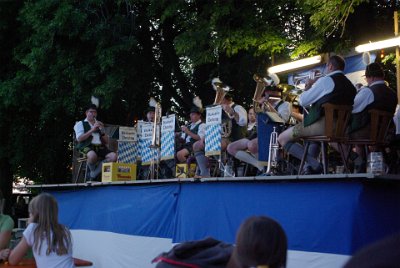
<point x="233" y="115"/>
<point x="246" y="149"/>
<point x="335" y="88"/>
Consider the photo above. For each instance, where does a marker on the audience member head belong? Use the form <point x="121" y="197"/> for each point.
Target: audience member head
<point x="336" y="63"/>
<point x="382" y="253"/>
<point x="251" y="115"/>
<point x="260" y="242"/>
<point x="43" y="210"/>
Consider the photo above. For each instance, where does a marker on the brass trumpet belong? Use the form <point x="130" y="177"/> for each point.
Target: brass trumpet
<point x="273" y="151"/>
<point x="306" y="79"/>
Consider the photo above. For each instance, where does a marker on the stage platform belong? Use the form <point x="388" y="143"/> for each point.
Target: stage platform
<point x="326" y="217"/>
<point x="327" y="177"/>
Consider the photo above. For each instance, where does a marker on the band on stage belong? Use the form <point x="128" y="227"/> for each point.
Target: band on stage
<point x="225" y="139"/>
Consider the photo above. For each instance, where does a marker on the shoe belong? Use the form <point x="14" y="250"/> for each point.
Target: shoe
<point x="310" y="171"/>
<point x="360" y="168"/>
<point x="260" y="172"/>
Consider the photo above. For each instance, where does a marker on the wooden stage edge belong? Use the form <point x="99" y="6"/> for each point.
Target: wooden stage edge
<point x="294" y="178"/>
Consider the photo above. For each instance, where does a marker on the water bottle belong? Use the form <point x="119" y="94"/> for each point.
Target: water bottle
<point x="228" y="171"/>
<point x="375" y="163"/>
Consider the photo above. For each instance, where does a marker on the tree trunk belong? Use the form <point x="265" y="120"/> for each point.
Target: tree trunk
<point x="6" y="180"/>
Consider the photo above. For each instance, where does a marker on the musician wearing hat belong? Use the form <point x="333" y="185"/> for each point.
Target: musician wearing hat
<point x="193" y="132"/>
<point x="335" y="88"/>
<point x="92" y="141"/>
<point x="238" y="115"/>
<point x="150" y="114"/>
<point x="376" y="95"/>
<point x="235" y="116"/>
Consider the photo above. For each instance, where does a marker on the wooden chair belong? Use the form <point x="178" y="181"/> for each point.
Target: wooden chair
<point x="82" y="167"/>
<point x="79" y="163"/>
<point x="336" y="120"/>
<point x="380" y="123"/>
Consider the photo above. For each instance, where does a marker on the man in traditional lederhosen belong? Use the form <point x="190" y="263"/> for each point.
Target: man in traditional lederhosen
<point x="377" y="95"/>
<point x="238" y="117"/>
<point x="195" y="131"/>
<point x="92" y="141"/>
<point x="335" y="88"/>
<point x="239" y="148"/>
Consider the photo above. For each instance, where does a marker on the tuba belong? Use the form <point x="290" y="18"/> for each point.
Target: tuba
<point x="220" y="91"/>
<point x="263" y="82"/>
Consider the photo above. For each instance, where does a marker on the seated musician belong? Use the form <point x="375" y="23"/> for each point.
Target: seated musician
<point x="150" y="114"/>
<point x="148" y="117"/>
<point x="192" y="133"/>
<point x="92" y="141"/>
<point x="335" y="88"/>
<point x="272" y="102"/>
<point x="377" y="95"/>
<point x="238" y="117"/>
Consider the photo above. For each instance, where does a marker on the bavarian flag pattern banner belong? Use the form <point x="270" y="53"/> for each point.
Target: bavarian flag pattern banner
<point x="127" y="151"/>
<point x="146" y="133"/>
<point x="168" y="137"/>
<point x="213" y="130"/>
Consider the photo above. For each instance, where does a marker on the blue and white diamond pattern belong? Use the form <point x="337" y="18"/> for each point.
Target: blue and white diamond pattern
<point x="148" y="154"/>
<point x="167" y="145"/>
<point x="127" y="152"/>
<point x="213" y="140"/>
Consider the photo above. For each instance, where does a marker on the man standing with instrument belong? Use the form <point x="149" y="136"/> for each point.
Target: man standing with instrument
<point x="335" y="88"/>
<point x="92" y="141"/>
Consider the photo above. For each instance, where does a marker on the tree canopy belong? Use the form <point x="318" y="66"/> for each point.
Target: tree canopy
<point x="56" y="54"/>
